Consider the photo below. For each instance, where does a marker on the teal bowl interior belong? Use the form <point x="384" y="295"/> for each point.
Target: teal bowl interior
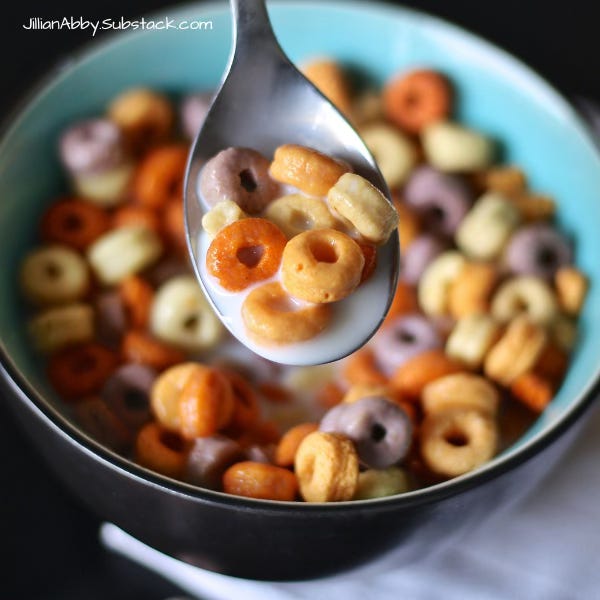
<point x="536" y="127"/>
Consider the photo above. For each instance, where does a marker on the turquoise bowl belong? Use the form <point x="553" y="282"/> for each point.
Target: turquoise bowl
<point x="536" y="127"/>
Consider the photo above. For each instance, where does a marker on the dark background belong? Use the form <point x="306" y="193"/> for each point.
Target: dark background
<point x="48" y="542"/>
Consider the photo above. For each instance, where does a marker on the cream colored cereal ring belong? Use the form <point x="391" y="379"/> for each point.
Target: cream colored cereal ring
<point x="434" y="285"/>
<point x="471" y="338"/>
<point x="453" y="148"/>
<point x="460" y="390"/>
<point x="122" y="252"/>
<point x="62" y="326"/>
<point x="270" y="315"/>
<point x="326" y="465"/>
<point x="486" y="228"/>
<point x="181" y="315"/>
<point x="378" y="483"/>
<point x="454" y="442"/>
<point x="527" y="294"/>
<point x="516" y="352"/>
<point x="54" y="275"/>
<point x="108" y="188"/>
<point x="571" y="288"/>
<point x="296" y="213"/>
<point x="361" y="203"/>
<point x="222" y="214"/>
<point x="305" y="168"/>
<point x="392" y="150"/>
<point x="321" y="265"/>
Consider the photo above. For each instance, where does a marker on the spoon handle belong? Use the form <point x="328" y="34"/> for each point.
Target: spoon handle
<point x="252" y="31"/>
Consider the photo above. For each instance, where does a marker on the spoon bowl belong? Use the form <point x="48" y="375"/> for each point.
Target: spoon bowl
<point x="264" y="102"/>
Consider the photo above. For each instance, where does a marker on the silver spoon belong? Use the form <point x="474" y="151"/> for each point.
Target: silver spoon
<point x="263" y="102"/>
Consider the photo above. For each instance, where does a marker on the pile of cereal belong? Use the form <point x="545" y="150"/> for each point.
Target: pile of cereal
<point x="475" y="346"/>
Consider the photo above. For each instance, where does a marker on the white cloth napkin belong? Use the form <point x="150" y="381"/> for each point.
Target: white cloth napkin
<point x="546" y="547"/>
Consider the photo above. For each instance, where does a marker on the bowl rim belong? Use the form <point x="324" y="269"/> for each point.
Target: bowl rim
<point x="17" y="382"/>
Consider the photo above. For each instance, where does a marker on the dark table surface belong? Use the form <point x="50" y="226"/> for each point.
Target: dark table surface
<point x="48" y="541"/>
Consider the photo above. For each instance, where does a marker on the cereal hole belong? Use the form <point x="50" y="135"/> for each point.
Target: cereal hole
<point x="300" y="220"/>
<point x="323" y="252"/>
<point x="83" y="364"/>
<point x="250" y="255"/>
<point x="190" y="323"/>
<point x="456" y="438"/>
<point x="72" y="222"/>
<point x="135" y="399"/>
<point x="405" y="337"/>
<point x="378" y="432"/>
<point x="247" y="180"/>
<point x="172" y="441"/>
<point x="546" y="257"/>
<point x="52" y="270"/>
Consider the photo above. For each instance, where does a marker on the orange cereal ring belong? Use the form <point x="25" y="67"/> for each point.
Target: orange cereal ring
<point x="81" y="370"/>
<point x="288" y="444"/>
<point x="413" y="375"/>
<point x="261" y="433"/>
<point x="306" y="169"/>
<point x="159" y="176"/>
<point x="321" y="265"/>
<point x="329" y="78"/>
<point x="161" y="450"/>
<point x="174" y="224"/>
<point x="533" y="390"/>
<point x="245" y="252"/>
<point x="270" y="315"/>
<point x="275" y="392"/>
<point x="246" y="409"/>
<point x="417" y="99"/>
<point x="330" y="395"/>
<point x="140" y="347"/>
<point x="74" y="223"/>
<point x="405" y="302"/>
<point x="370" y="255"/>
<point x="471" y="291"/>
<point x="136" y="295"/>
<point x="260" y="480"/>
<point x="361" y="368"/>
<point x="409" y="226"/>
<point x="126" y="216"/>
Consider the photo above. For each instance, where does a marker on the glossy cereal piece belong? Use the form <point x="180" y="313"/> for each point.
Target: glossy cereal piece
<point x="140" y="347"/>
<point x="471" y="338"/>
<point x="437" y="280"/>
<point x="571" y="288"/>
<point x="61" y="326"/>
<point x="145" y="117"/>
<point x="102" y="424"/>
<point x="326" y="465"/>
<point x="534" y="207"/>
<point x="415" y="99"/>
<point x="454" y="442"/>
<point x="525" y="294"/>
<point x="240" y="175"/>
<point x="516" y="352"/>
<point x="122" y="252"/>
<point x="369" y="252"/>
<point x="411" y="378"/>
<point x="220" y="215"/>
<point x="361" y="368"/>
<point x="393" y="151"/>
<point x="506" y="179"/>
<point x="181" y="315"/>
<point x="379" y="483"/>
<point x="404" y="302"/>
<point x="80" y="371"/>
<point x="367" y="390"/>
<point x="245" y="252"/>
<point x="471" y="291"/>
<point x="296" y="213"/>
<point x="533" y="390"/>
<point x="409" y="225"/>
<point x="54" y="275"/>
<point x="417" y="257"/>
<point x="137" y="295"/>
<point x="209" y="458"/>
<point x="363" y="205"/>
<point x="270" y="315"/>
<point x="259" y="480"/>
<point x="285" y="452"/>
<point x="460" y="390"/>
<point x="166" y="391"/>
<point x="135" y="215"/>
<point x="305" y="168"/>
<point x="74" y="223"/>
<point x="321" y="266"/>
<point x="329" y="78"/>
<point x="246" y="408"/>
<point x="161" y="450"/>
<point x="206" y="403"/>
<point x="159" y="176"/>
<point x="261" y="433"/>
<point x="106" y="189"/>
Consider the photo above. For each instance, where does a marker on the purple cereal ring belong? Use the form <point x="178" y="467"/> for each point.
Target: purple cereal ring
<point x="111" y="318"/>
<point x="418" y="255"/>
<point x="209" y="458"/>
<point x="538" y="250"/>
<point x="442" y="200"/>
<point x="92" y="146"/>
<point x="402" y="339"/>
<point x="194" y="109"/>
<point x="380" y="429"/>
<point x="240" y="175"/>
<point x="261" y="454"/>
<point x="127" y="393"/>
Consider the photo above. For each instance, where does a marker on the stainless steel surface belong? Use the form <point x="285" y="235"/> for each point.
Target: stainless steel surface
<point x="263" y="102"/>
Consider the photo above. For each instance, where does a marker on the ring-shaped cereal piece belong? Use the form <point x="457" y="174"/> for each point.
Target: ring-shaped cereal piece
<point x="259" y="480"/>
<point x="74" y="223"/>
<point x="296" y="213"/>
<point x="159" y="176"/>
<point x="127" y="216"/>
<point x="457" y="441"/>
<point x="417" y="99"/>
<point x="245" y="252"/>
<point x="136" y="295"/>
<point x="81" y="370"/>
<point x="246" y="409"/>
<point x="161" y="450"/>
<point x="140" y="347"/>
<point x="472" y="289"/>
<point x="321" y="265"/>
<point x="307" y="169"/>
<point x="272" y="316"/>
